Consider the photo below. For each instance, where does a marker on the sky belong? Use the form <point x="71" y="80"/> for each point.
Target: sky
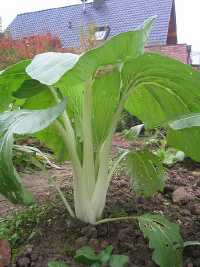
<point x="188" y="13"/>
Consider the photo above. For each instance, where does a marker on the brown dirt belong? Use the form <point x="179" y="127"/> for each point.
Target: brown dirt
<point x="38" y="184"/>
<point x="59" y="236"/>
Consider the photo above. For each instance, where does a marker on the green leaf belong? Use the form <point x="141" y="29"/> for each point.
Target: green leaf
<point x="186" y="121"/>
<point x="105" y="254"/>
<point x="20" y="122"/>
<point x="105" y="100"/>
<point x="57" y="264"/>
<point x="119" y="260"/>
<point x="147" y="172"/>
<point x="11" y="80"/>
<point x="50" y="135"/>
<point x="49" y="67"/>
<point x="164" y="238"/>
<point x="117" y="50"/>
<point x="162" y="89"/>
<point x="86" y="255"/>
<point x="29" y="88"/>
<point x="186" y="140"/>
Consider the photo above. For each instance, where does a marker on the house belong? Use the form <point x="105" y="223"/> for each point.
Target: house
<point x="109" y="18"/>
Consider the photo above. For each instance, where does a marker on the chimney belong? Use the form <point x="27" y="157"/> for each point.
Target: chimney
<point x="98" y="3"/>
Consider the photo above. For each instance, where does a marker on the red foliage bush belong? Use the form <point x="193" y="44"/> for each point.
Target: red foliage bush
<point x="12" y="51"/>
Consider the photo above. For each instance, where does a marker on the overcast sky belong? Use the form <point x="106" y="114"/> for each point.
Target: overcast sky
<point x="188" y="15"/>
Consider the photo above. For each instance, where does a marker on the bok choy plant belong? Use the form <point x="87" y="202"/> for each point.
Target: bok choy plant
<point x="72" y="103"/>
<point x="98" y="85"/>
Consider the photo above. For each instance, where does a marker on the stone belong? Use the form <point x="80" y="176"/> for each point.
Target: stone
<point x="195" y="209"/>
<point x="182" y="195"/>
<point x="28" y="250"/>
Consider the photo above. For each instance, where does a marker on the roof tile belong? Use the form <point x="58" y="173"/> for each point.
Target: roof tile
<point x="121" y="16"/>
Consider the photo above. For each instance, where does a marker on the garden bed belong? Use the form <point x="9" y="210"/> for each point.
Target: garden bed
<point x="57" y="237"/>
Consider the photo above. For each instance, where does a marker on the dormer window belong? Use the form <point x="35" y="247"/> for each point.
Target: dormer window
<point x="101" y="33"/>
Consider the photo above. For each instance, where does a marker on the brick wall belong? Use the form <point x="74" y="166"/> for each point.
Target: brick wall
<point x="178" y="51"/>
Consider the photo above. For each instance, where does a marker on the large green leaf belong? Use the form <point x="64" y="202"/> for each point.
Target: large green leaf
<point x="50" y="135"/>
<point x="105" y="100"/>
<point x="187" y="140"/>
<point x="10" y="80"/>
<point x="30" y="88"/>
<point x="20" y="122"/>
<point x="162" y="90"/>
<point x="183" y="128"/>
<point x="49" y="67"/>
<point x="164" y="238"/>
<point x="147" y="172"/>
<point x="118" y="49"/>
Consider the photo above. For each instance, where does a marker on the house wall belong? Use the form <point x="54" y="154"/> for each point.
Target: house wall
<point x="180" y="52"/>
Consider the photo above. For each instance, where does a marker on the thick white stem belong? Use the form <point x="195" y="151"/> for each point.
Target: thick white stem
<point x="103" y="179"/>
<point x="88" y="149"/>
<point x="86" y="182"/>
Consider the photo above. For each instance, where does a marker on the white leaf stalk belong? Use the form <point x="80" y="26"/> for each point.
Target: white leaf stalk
<point x="92" y="177"/>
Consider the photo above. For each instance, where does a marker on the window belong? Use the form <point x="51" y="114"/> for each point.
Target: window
<point x="102" y="33"/>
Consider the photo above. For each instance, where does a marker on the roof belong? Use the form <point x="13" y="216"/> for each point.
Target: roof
<point x="120" y="16"/>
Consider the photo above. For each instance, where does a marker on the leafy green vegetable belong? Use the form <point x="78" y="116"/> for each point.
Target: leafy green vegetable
<point x="164" y="238"/>
<point x="86" y="255"/>
<point x="147" y="172"/>
<point x="104" y="255"/>
<point x="20" y="122"/>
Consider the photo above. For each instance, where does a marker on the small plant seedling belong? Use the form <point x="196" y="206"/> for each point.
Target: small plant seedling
<point x="88" y="257"/>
